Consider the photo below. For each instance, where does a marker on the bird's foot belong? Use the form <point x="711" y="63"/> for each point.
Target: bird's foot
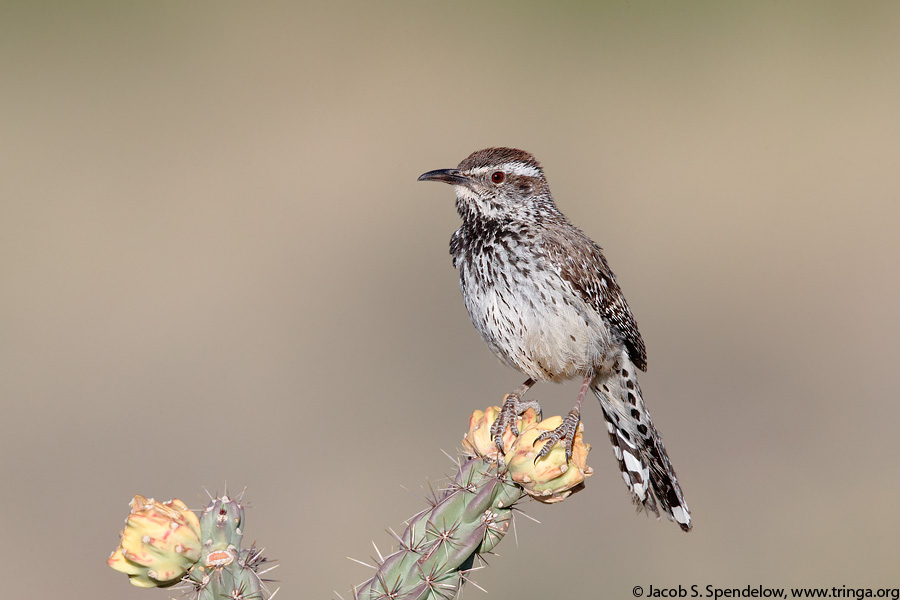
<point x="513" y="406"/>
<point x="565" y="432"/>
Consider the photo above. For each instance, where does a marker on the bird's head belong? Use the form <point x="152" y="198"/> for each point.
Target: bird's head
<point x="497" y="183"/>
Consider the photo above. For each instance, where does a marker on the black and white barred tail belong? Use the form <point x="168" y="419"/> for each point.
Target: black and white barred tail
<point x="643" y="460"/>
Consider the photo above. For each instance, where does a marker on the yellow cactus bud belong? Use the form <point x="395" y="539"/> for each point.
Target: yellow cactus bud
<point x="552" y="478"/>
<point x="478" y="442"/>
<point x="160" y="542"/>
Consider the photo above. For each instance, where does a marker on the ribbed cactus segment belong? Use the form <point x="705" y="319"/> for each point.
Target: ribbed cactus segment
<point x="220" y="524"/>
<point x="440" y="543"/>
<point x="206" y="554"/>
<point x="225" y="571"/>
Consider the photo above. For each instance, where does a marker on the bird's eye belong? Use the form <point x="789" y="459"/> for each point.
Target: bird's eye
<point x="497" y="176"/>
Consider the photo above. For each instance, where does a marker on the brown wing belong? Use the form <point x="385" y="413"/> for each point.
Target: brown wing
<point x="581" y="262"/>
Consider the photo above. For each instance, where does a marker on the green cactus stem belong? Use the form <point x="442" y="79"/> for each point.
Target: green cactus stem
<point x="440" y="543"/>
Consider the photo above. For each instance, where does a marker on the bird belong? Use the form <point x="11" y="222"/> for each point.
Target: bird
<point x="544" y="299"/>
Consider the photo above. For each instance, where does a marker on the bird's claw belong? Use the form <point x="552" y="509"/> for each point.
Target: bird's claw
<point x="513" y="407"/>
<point x="566" y="432"/>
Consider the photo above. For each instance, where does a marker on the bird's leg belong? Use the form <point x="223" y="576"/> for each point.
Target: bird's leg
<point x="513" y="406"/>
<point x="569" y="426"/>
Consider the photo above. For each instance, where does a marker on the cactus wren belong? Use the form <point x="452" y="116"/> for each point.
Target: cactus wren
<point x="543" y="297"/>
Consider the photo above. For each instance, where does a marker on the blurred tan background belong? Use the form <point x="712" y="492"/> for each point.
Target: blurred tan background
<point x="216" y="265"/>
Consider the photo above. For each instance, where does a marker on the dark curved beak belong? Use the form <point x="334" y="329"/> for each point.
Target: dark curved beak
<point x="451" y="176"/>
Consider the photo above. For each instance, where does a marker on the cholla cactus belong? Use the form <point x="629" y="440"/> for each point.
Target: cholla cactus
<point x="440" y="543"/>
<point x="473" y="513"/>
<point x="165" y="543"/>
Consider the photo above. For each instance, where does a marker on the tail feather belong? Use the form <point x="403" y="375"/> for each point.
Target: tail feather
<point x="638" y="447"/>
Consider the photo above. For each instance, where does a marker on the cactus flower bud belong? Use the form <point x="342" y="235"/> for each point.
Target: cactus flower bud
<point x="552" y="478"/>
<point x="160" y="542"/>
<point x="478" y="441"/>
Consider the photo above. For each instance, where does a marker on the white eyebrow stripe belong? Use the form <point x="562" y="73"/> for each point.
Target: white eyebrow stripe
<point x="516" y="168"/>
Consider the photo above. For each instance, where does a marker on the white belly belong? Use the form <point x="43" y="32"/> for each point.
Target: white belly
<point x="554" y="337"/>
